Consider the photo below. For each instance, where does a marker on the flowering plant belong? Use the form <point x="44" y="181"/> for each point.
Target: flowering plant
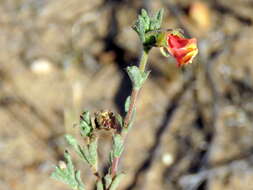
<point x="151" y="35"/>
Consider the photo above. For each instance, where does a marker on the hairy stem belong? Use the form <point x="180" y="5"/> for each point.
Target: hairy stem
<point x="133" y="99"/>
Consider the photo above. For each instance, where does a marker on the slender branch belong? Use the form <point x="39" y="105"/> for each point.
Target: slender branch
<point x="133" y="99"/>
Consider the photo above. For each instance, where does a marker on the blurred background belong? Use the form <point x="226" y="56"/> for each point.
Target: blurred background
<point x="193" y="129"/>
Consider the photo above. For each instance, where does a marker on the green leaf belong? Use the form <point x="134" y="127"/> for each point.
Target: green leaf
<point x="137" y="76"/>
<point x="68" y="175"/>
<point x="116" y="181"/>
<point x="74" y="143"/>
<point x="85" y="124"/>
<point x="87" y="153"/>
<point x="108" y="180"/>
<point x="146" y="19"/>
<point x="118" y="146"/>
<point x="99" y="185"/>
<point x="127" y="103"/>
<point x="92" y="157"/>
<point x="119" y="119"/>
<point x="156" y="20"/>
<point x="142" y="24"/>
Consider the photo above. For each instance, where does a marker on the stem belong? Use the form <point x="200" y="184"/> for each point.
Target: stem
<point x="135" y="92"/>
<point x="144" y="59"/>
<point x="133" y="98"/>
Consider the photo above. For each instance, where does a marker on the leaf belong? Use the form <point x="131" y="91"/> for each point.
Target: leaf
<point x="127" y="103"/>
<point x="118" y="146"/>
<point x="156" y="20"/>
<point x="68" y="174"/>
<point x="116" y="181"/>
<point x="119" y="119"/>
<point x="85" y="124"/>
<point x="108" y="180"/>
<point x="142" y="24"/>
<point x="145" y="17"/>
<point x="137" y="76"/>
<point x="99" y="185"/>
<point x="92" y="157"/>
<point x="74" y="143"/>
<point x="87" y="153"/>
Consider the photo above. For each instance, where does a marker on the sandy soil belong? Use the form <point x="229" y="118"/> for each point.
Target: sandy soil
<point x="60" y="57"/>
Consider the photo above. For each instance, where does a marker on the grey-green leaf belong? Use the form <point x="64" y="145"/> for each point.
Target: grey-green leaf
<point x="87" y="153"/>
<point x="119" y="119"/>
<point x="116" y="181"/>
<point x="85" y="124"/>
<point x="74" y="143"/>
<point x="118" y="145"/>
<point x="146" y="19"/>
<point x="108" y="180"/>
<point x="68" y="175"/>
<point x="127" y="103"/>
<point x="99" y="185"/>
<point x="137" y="76"/>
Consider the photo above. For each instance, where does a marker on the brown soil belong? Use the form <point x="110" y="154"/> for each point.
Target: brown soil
<point x="193" y="129"/>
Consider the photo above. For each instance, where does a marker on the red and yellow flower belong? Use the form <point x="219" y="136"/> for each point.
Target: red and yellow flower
<point x="182" y="49"/>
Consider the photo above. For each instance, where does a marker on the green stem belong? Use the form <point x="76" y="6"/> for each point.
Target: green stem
<point x="133" y="98"/>
<point x="144" y="60"/>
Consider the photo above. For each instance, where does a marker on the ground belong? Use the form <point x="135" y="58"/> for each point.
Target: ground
<point x="194" y="125"/>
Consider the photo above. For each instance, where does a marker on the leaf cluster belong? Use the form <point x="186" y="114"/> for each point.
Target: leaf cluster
<point x="145" y="24"/>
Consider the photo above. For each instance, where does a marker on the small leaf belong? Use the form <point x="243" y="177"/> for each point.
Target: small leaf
<point x="156" y="21"/>
<point x="68" y="175"/>
<point x="118" y="146"/>
<point x="127" y="103"/>
<point x="146" y="19"/>
<point x="137" y="76"/>
<point x="159" y="17"/>
<point x="90" y="154"/>
<point x="108" y="180"/>
<point x="93" y="153"/>
<point x="85" y="124"/>
<point x="116" y="181"/>
<point x="86" y="117"/>
<point x="119" y="119"/>
<point x="79" y="180"/>
<point x="87" y="153"/>
<point x="142" y="24"/>
<point x="74" y="143"/>
<point x="99" y="185"/>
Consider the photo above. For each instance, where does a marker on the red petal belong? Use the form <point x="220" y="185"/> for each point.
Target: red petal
<point x="176" y="41"/>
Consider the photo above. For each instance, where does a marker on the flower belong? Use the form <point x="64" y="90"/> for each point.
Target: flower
<point x="173" y="43"/>
<point x="182" y="49"/>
